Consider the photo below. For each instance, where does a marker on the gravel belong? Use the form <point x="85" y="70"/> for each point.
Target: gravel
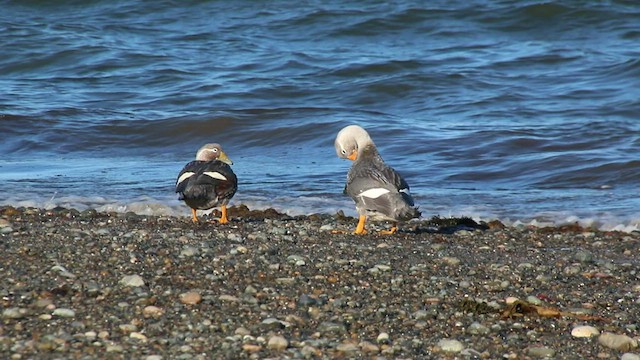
<point x="92" y="285"/>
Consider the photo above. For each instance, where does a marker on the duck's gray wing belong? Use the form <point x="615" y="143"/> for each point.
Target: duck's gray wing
<point x="377" y="187"/>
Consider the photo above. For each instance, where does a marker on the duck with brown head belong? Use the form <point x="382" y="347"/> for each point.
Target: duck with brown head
<point x="208" y="181"/>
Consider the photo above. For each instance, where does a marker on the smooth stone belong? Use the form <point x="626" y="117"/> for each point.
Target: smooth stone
<point x="383" y="338"/>
<point x="630" y="356"/>
<point x="152" y="311"/>
<point x="382" y="267"/>
<point x="533" y="300"/>
<point x="62" y="312"/>
<point x="453" y="261"/>
<point x="477" y="329"/>
<point x="274" y="323"/>
<point x="369" y="347"/>
<point x="584" y="331"/>
<point x="138" y="336"/>
<point x="617" y="342"/>
<point x="278" y="343"/>
<point x="330" y="327"/>
<point x="14" y="313"/>
<point x="234" y="238"/>
<point x="228" y="298"/>
<point x="583" y="256"/>
<point x="450" y="345"/>
<point x="541" y="352"/>
<point x="347" y="348"/>
<point x="189" y="251"/>
<point x="242" y="331"/>
<point x="190" y="298"/>
<point x="153" y="357"/>
<point x="132" y="280"/>
<point x="127" y="328"/>
<point x="6" y="230"/>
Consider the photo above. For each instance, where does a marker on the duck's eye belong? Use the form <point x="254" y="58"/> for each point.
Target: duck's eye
<point x="214" y="150"/>
<point x="344" y="152"/>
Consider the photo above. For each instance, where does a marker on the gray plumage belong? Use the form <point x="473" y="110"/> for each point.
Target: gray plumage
<point x="378" y="191"/>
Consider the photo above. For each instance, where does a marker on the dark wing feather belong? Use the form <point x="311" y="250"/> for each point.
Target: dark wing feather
<point x="200" y="185"/>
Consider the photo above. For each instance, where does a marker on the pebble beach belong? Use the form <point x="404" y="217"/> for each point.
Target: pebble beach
<point x="91" y="285"/>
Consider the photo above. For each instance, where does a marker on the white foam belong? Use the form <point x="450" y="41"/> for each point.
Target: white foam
<point x="171" y="206"/>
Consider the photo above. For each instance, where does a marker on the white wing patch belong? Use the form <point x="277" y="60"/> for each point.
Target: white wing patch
<point x="184" y="177"/>
<point x="215" y="175"/>
<point x="405" y="190"/>
<point x="374" y="193"/>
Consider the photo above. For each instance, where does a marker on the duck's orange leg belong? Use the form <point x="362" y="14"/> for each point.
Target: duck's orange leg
<point x="223" y="218"/>
<point x="393" y="230"/>
<point x="194" y="217"/>
<point x="360" y="228"/>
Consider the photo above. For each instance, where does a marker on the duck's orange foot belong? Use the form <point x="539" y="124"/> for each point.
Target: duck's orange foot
<point x="393" y="230"/>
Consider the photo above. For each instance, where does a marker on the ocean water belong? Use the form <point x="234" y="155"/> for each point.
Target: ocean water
<point x="522" y="111"/>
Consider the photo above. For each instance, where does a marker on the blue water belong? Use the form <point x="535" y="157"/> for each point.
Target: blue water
<point x="523" y="111"/>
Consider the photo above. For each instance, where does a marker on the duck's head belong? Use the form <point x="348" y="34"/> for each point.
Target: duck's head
<point x="350" y="142"/>
<point x="210" y="152"/>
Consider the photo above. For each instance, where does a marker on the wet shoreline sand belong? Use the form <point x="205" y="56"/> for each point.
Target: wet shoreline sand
<point x="111" y="285"/>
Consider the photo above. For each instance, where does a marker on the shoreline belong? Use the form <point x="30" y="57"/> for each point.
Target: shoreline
<point x="84" y="284"/>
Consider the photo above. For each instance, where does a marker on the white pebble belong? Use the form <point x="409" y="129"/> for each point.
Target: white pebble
<point x="630" y="356"/>
<point x="277" y="343"/>
<point x="132" y="280"/>
<point x="584" y="331"/>
<point x="449" y="345"/>
<point x="617" y="342"/>
<point x="62" y="312"/>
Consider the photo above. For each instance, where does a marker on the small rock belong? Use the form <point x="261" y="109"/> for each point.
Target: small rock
<point x="630" y="356"/>
<point x="368" y="347"/>
<point x="132" y="280"/>
<point x="189" y="251"/>
<point x="326" y="227"/>
<point x="347" y="347"/>
<point x="152" y="311"/>
<point x="617" y="342"/>
<point x="541" y="352"/>
<point x="450" y="345"/>
<point x="383" y="267"/>
<point x="332" y="328"/>
<point x="190" y="298"/>
<point x="138" y="336"/>
<point x="62" y="271"/>
<point x="251" y="348"/>
<point x="477" y="329"/>
<point x="153" y="357"/>
<point x="278" y="343"/>
<point x="6" y="230"/>
<point x="127" y="328"/>
<point x="383" y="338"/>
<point x="242" y="331"/>
<point x="228" y="298"/>
<point x="14" y="313"/>
<point x="453" y="261"/>
<point x="583" y="256"/>
<point x="584" y="331"/>
<point x="273" y="323"/>
<point x="234" y="238"/>
<point x="114" y="348"/>
<point x="62" y="312"/>
<point x="533" y="300"/>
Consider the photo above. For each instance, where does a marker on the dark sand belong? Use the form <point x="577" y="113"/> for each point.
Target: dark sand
<point x="272" y="286"/>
